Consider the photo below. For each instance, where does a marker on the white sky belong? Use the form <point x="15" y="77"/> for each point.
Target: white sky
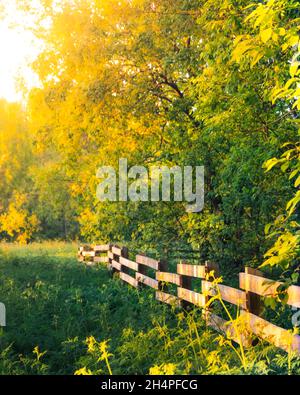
<point x="18" y="47"/>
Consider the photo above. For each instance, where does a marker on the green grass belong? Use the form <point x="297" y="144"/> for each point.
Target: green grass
<point x="55" y="303"/>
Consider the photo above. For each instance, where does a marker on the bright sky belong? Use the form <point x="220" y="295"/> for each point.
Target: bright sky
<point x="18" y="47"/>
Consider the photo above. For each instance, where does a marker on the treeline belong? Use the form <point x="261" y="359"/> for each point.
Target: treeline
<point x="173" y="82"/>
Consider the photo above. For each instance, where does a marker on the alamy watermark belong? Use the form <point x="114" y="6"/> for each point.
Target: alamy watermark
<point x="296" y="317"/>
<point x="158" y="183"/>
<point x="2" y="314"/>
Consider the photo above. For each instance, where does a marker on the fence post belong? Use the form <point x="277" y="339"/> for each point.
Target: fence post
<point x="185" y="282"/>
<point x="109" y="254"/>
<point x="209" y="267"/>
<point x="212" y="266"/>
<point x="124" y="254"/>
<point x="142" y="270"/>
<point x="109" y="260"/>
<point x="79" y="254"/>
<point x="162" y="267"/>
<point x="254" y="304"/>
<point x="115" y="258"/>
<point x="254" y="301"/>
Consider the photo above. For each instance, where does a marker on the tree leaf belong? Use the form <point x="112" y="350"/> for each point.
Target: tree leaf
<point x="266" y="34"/>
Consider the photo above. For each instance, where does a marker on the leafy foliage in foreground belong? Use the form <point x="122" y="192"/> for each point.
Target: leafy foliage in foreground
<point x="63" y="317"/>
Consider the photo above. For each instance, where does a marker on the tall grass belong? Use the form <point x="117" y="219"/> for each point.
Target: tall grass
<point x="63" y="317"/>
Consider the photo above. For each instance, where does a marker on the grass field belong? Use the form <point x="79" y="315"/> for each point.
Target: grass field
<point x="63" y="317"/>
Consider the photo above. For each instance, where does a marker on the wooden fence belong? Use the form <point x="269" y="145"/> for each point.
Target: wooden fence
<point x="149" y="272"/>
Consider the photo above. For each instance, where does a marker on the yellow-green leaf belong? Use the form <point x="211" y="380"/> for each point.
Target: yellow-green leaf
<point x="266" y="34"/>
<point x="294" y="68"/>
<point x="282" y="31"/>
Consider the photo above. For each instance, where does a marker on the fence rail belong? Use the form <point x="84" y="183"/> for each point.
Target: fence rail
<point x="152" y="273"/>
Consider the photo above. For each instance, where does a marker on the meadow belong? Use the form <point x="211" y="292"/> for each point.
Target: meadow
<point x="66" y="318"/>
<point x="164" y="83"/>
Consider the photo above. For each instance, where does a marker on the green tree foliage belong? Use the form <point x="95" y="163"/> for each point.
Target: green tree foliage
<point x="201" y="82"/>
<point x="33" y="200"/>
<point x="16" y="220"/>
<point x="275" y="35"/>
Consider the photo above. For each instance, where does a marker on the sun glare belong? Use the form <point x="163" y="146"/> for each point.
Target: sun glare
<point x="18" y="47"/>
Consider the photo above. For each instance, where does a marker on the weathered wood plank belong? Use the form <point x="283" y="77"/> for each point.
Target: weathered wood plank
<point x="229" y="294"/>
<point x="88" y="253"/>
<point x="191" y="296"/>
<point x="128" y="263"/>
<point x="191" y="270"/>
<point x="150" y="262"/>
<point x="110" y="255"/>
<point x="280" y="337"/>
<point x="116" y="265"/>
<point x="101" y="248"/>
<point x="226" y="329"/>
<point x="265" y="287"/>
<point x="167" y="298"/>
<point x="219" y="324"/>
<point x="143" y="279"/>
<point x="116" y="250"/>
<point x="168" y="277"/>
<point x="101" y="259"/>
<point x="128" y="279"/>
<point x="85" y="248"/>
